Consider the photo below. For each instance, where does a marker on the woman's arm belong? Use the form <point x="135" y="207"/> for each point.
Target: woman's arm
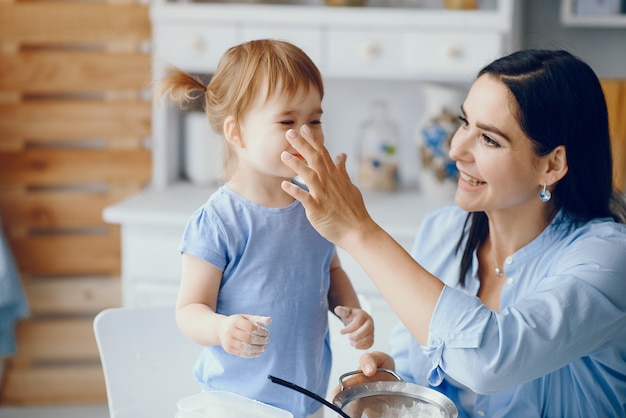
<point x="335" y="207"/>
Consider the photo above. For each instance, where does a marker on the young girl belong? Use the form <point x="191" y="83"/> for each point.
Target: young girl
<point x="253" y="268"/>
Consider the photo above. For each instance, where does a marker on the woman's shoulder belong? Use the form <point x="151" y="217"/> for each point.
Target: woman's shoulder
<point x="603" y="228"/>
<point x="450" y="215"/>
<point x="442" y="222"/>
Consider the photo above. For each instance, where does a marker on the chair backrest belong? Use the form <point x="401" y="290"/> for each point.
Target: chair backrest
<point x="147" y="361"/>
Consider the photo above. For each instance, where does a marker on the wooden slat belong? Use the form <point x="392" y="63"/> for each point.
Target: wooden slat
<point x="68" y="254"/>
<point x="49" y="167"/>
<point x="61" y="71"/>
<point x="74" y="120"/>
<point x="49" y="23"/>
<point x="615" y="94"/>
<point x="58" y="208"/>
<point x="74" y="295"/>
<point x="55" y="340"/>
<point x="54" y="385"/>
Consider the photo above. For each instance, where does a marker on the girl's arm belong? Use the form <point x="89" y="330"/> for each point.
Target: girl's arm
<point x="341" y="292"/>
<point x="344" y="302"/>
<point x="196" y="315"/>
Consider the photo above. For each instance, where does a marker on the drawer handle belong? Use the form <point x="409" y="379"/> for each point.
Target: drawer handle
<point x="370" y="50"/>
<point x="196" y="45"/>
<point x="454" y="52"/>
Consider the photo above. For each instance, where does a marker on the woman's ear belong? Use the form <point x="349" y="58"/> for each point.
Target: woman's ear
<point x="557" y="165"/>
<point x="232" y="132"/>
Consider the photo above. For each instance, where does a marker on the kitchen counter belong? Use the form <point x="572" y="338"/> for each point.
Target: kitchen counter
<point x="399" y="212"/>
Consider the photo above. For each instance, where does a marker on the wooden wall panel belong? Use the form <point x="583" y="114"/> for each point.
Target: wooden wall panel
<point x="73" y="71"/>
<point x="54" y="384"/>
<point x="38" y="121"/>
<point x="615" y="94"/>
<point x="57" y="208"/>
<point x="55" y="340"/>
<point x="72" y="295"/>
<point x="75" y="126"/>
<point x="67" y="252"/>
<point x="57" y="22"/>
<point x="47" y="167"/>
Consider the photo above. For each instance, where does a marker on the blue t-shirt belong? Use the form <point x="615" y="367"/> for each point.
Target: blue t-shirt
<point x="556" y="348"/>
<point x="274" y="264"/>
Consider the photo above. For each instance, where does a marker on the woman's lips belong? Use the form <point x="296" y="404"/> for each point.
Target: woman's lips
<point x="471" y="180"/>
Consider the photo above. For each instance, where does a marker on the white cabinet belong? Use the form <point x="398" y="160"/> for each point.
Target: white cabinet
<point x="355" y="43"/>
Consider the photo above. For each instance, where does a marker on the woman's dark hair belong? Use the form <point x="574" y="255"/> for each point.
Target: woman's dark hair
<point x="559" y="101"/>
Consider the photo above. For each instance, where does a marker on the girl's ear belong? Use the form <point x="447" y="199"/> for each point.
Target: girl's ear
<point x="232" y="132"/>
<point x="557" y="165"/>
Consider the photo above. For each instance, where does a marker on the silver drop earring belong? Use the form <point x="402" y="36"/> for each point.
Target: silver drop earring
<point x="545" y="194"/>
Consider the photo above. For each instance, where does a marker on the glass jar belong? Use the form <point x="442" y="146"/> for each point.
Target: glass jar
<point x="378" y="150"/>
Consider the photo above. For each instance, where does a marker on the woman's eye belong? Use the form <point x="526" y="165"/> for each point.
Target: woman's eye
<point x="489" y="141"/>
<point x="463" y="120"/>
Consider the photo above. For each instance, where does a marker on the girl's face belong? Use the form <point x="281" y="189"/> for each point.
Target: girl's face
<point x="498" y="167"/>
<point x="263" y="129"/>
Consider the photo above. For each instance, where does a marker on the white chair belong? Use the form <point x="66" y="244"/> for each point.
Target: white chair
<point x="147" y="361"/>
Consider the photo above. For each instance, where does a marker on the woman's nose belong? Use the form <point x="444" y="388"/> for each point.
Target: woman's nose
<point x="459" y="145"/>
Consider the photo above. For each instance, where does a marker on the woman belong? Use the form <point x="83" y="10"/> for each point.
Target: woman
<point x="516" y="304"/>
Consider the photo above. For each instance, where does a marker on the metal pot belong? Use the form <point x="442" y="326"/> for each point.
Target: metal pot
<point x="392" y="399"/>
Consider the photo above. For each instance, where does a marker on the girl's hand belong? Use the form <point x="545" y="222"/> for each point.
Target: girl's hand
<point x="334" y="205"/>
<point x="244" y="335"/>
<point x="359" y="326"/>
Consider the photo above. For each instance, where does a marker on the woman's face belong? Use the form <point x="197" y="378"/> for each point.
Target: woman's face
<point x="264" y="126"/>
<point x="498" y="167"/>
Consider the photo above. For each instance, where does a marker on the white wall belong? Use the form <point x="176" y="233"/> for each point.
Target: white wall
<point x="602" y="48"/>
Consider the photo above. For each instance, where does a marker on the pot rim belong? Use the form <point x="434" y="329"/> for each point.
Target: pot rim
<point x="400" y="387"/>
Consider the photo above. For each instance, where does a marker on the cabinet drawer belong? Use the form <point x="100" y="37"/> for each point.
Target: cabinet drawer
<point x="143" y="294"/>
<point x="360" y="53"/>
<point x="308" y="39"/>
<point x="151" y="253"/>
<point x="450" y="54"/>
<point x="193" y="47"/>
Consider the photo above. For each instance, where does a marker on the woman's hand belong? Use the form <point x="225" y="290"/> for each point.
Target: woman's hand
<point x="368" y="364"/>
<point x="244" y="335"/>
<point x="334" y="205"/>
<point x="359" y="326"/>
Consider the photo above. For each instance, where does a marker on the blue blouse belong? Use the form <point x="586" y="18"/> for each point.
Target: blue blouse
<point x="556" y="348"/>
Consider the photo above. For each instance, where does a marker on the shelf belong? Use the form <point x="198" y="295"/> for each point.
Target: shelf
<point x="569" y="18"/>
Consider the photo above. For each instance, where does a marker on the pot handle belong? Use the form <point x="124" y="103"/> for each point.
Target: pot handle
<point x="345" y="375"/>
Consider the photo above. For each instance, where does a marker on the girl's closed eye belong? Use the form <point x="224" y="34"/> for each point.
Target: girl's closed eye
<point x="287" y="122"/>
<point x="463" y="120"/>
<point x="315" y="122"/>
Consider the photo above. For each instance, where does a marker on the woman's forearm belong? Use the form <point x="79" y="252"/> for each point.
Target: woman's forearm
<point x="409" y="289"/>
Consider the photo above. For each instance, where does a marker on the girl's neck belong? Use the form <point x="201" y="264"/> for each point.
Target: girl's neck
<point x="262" y="190"/>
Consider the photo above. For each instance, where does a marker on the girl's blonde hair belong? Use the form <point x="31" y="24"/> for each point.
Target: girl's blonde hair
<point x="241" y="74"/>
